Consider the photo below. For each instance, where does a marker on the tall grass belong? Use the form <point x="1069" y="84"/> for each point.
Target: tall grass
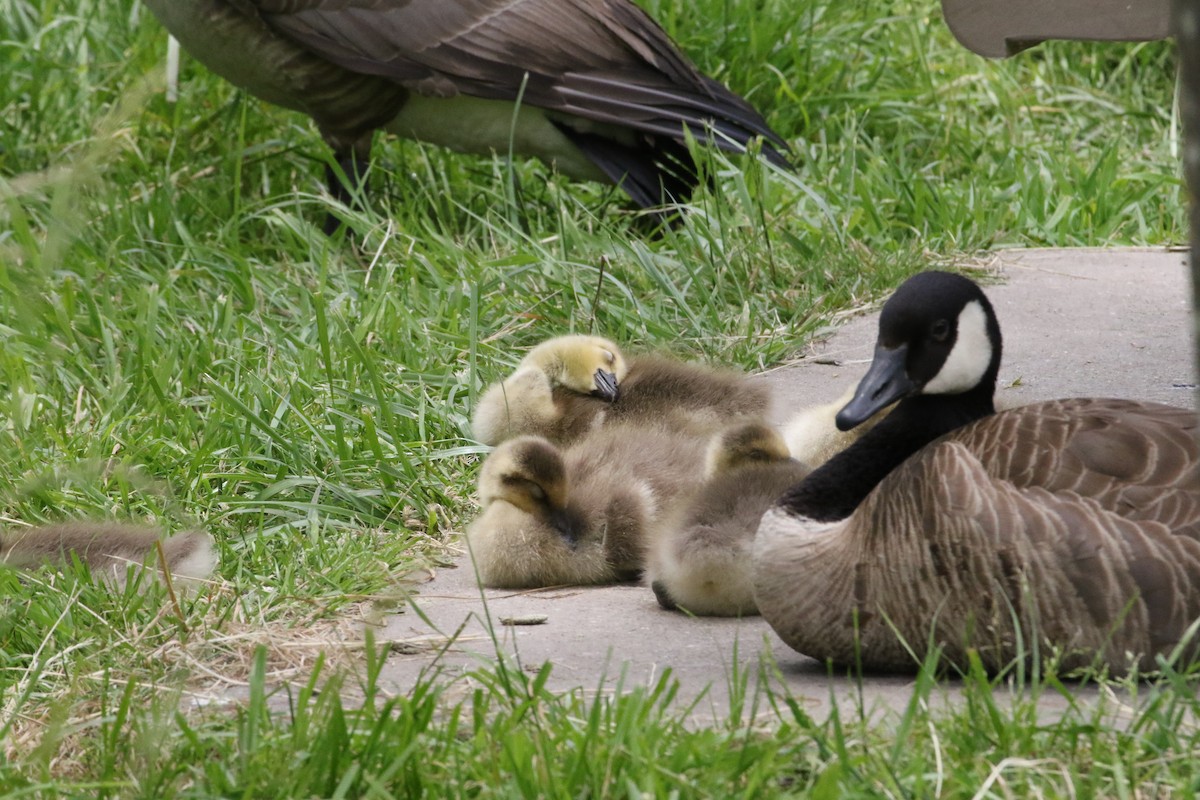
<point x="181" y="344"/>
<point x="512" y="737"/>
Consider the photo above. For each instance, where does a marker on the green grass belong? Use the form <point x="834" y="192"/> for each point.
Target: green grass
<point x="180" y="344"/>
<point x="513" y="738"/>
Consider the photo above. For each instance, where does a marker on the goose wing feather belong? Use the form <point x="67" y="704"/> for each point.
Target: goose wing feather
<point x="601" y="60"/>
<point x="1001" y="537"/>
<point x="1132" y="458"/>
<point x="233" y="39"/>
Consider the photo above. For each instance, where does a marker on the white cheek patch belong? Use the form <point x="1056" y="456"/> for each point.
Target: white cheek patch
<point x="970" y="357"/>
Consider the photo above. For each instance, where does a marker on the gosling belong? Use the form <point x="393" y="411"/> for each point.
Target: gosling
<point x="571" y="385"/>
<point x="581" y="514"/>
<point x="701" y="561"/>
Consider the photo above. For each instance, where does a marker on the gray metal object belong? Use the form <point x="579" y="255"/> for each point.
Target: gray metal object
<point x="998" y="29"/>
<point x="1185" y="25"/>
<point x="1001" y="28"/>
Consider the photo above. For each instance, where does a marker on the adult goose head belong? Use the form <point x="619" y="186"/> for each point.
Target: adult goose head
<point x="936" y="357"/>
<point x="1067" y="528"/>
<point x="603" y="93"/>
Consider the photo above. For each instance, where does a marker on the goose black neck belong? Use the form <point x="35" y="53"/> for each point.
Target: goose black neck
<point x="833" y="491"/>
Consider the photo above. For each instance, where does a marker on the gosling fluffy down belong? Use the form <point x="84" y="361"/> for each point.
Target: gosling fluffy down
<point x="581" y="514"/>
<point x="701" y="560"/>
<point x="109" y="549"/>
<point x="560" y="390"/>
<point x="812" y="435"/>
<point x="570" y="385"/>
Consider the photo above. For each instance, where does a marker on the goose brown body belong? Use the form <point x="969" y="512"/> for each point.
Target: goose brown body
<point x="603" y="92"/>
<point x="1071" y="526"/>
<point x="1067" y="527"/>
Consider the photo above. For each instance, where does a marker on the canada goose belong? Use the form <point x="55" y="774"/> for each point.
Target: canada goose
<point x="701" y="560"/>
<point x="603" y="93"/>
<point x="570" y="385"/>
<point x="1069" y="527"/>
<point x="109" y="548"/>
<point x="581" y="514"/>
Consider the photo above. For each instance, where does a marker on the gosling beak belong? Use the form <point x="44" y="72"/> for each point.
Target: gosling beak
<point x="606" y="386"/>
<point x="886" y="382"/>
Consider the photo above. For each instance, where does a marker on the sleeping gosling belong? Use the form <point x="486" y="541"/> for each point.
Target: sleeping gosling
<point x="570" y="385"/>
<point x="581" y="514"/>
<point x="559" y="390"/>
<point x="701" y="560"/>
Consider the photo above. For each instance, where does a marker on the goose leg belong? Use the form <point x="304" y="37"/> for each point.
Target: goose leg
<point x="352" y="163"/>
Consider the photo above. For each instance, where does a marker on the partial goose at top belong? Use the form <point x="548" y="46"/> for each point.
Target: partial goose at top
<point x="1066" y="530"/>
<point x="603" y="92"/>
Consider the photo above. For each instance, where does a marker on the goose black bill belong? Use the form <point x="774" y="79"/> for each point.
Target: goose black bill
<point x="886" y="382"/>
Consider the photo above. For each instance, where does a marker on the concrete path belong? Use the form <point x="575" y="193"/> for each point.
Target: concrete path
<point x="1075" y="322"/>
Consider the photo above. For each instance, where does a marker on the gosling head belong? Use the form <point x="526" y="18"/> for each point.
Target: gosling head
<point x="529" y="474"/>
<point x="743" y="445"/>
<point x="589" y="365"/>
<point x="938" y="335"/>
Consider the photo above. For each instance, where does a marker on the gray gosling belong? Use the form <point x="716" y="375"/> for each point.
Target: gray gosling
<point x="570" y="385"/>
<point x="109" y="549"/>
<point x="581" y="514"/>
<point x="701" y="561"/>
